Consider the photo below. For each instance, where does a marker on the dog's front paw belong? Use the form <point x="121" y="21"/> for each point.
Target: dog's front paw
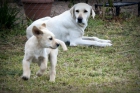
<point x="25" y="78"/>
<point x="105" y="44"/>
<point x="107" y="41"/>
<point x="104" y="41"/>
<point x="108" y="44"/>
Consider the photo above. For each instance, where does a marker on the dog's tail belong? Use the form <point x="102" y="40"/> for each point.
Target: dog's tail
<point x="62" y="44"/>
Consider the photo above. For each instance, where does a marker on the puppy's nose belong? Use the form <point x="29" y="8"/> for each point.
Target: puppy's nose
<point x="57" y="45"/>
<point x="80" y="19"/>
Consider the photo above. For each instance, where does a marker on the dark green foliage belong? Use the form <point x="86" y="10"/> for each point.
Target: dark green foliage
<point x="7" y="15"/>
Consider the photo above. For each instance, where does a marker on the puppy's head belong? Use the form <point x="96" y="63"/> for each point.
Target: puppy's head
<point x="81" y="12"/>
<point x="45" y="37"/>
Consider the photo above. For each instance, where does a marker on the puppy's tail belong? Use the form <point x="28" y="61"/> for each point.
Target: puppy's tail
<point x="62" y="44"/>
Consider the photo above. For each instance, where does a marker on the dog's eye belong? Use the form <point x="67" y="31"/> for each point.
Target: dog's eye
<point x="85" y="11"/>
<point x="77" y="11"/>
<point x="50" y="38"/>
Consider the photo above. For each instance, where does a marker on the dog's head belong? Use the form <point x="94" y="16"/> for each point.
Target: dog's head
<point x="81" y="12"/>
<point x="45" y="37"/>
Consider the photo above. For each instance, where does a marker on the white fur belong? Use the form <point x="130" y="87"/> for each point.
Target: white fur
<point x="38" y="48"/>
<point x="70" y="26"/>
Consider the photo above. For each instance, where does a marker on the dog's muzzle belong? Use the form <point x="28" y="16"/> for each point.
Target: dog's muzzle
<point x="57" y="45"/>
<point x="79" y="19"/>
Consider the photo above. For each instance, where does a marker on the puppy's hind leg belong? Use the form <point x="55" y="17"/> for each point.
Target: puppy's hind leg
<point x="43" y="65"/>
<point x="53" y="60"/>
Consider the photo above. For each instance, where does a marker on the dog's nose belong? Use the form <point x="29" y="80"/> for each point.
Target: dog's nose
<point x="57" y="45"/>
<point x="80" y="19"/>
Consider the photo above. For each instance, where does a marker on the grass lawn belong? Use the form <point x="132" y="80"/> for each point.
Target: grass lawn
<point x="81" y="69"/>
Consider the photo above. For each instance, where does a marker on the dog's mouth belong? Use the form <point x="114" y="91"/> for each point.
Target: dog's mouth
<point x="57" y="45"/>
<point x="81" y="24"/>
<point x="53" y="47"/>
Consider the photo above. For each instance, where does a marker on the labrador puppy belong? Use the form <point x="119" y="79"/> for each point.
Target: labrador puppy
<point x="38" y="48"/>
<point x="70" y="25"/>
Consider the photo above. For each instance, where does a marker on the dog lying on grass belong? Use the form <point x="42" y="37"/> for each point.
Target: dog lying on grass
<point x="70" y="25"/>
<point x="41" y="46"/>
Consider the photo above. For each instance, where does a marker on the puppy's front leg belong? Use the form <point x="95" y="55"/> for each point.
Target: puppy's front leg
<point x="53" y="60"/>
<point x="26" y="69"/>
<point x="43" y="65"/>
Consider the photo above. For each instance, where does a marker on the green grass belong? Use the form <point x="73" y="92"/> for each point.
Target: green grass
<point x="81" y="69"/>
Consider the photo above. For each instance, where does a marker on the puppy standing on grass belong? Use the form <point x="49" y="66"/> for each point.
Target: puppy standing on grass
<point x="38" y="48"/>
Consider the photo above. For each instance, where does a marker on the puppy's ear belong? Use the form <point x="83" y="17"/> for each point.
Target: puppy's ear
<point x="36" y="31"/>
<point x="44" y="25"/>
<point x="92" y="13"/>
<point x="72" y="10"/>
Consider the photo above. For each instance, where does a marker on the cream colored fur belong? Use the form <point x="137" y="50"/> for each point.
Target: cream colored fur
<point x="70" y="25"/>
<point x="41" y="46"/>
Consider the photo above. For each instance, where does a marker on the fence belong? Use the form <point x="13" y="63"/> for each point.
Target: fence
<point x="41" y="8"/>
<point x="35" y="10"/>
<point x="57" y="7"/>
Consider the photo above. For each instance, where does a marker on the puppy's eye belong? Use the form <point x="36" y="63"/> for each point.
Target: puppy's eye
<point x="77" y="11"/>
<point x="50" y="38"/>
<point x="85" y="11"/>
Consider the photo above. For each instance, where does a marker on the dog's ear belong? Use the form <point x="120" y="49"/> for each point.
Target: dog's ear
<point x="72" y="10"/>
<point x="92" y="13"/>
<point x="36" y="31"/>
<point x="44" y="25"/>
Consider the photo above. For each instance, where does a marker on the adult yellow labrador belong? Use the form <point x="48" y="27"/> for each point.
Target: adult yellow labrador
<point x="70" y="25"/>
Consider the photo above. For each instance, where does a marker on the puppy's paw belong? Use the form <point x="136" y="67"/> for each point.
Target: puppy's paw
<point x="52" y="80"/>
<point x="25" y="78"/>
